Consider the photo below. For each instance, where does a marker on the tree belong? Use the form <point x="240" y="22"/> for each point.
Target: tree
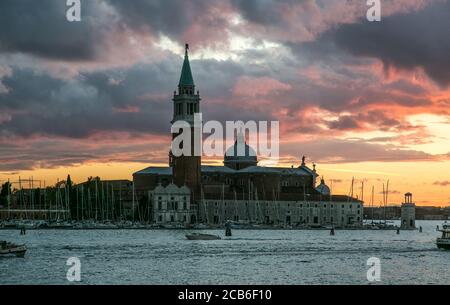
<point x="4" y="193"/>
<point x="72" y="198"/>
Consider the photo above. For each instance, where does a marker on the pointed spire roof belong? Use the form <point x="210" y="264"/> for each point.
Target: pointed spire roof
<point x="186" y="78"/>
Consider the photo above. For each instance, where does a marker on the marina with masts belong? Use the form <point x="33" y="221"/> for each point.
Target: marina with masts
<point x="113" y="204"/>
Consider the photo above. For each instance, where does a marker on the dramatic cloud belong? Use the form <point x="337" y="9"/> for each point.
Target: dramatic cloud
<point x="52" y="153"/>
<point x="353" y="151"/>
<point x="252" y="87"/>
<point x="408" y="41"/>
<point x="343" y="89"/>
<point x="40" y="28"/>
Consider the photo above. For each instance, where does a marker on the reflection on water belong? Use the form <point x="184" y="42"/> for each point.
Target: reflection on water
<point x="249" y="257"/>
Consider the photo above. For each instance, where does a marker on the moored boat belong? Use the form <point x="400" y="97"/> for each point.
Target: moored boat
<point x="199" y="236"/>
<point x="444" y="241"/>
<point x="59" y="225"/>
<point x="8" y="249"/>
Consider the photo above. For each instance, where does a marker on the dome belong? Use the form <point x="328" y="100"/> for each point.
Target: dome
<point x="240" y="155"/>
<point x="323" y="188"/>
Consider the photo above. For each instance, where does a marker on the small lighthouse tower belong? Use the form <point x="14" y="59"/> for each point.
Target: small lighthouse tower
<point x="408" y="218"/>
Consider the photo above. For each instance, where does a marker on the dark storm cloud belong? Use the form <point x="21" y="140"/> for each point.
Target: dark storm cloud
<point x="40" y="28"/>
<point x="171" y="17"/>
<point x="200" y="22"/>
<point x="379" y="119"/>
<point x="133" y="100"/>
<point x="39" y="104"/>
<point x="344" y="123"/>
<point x="263" y="12"/>
<point x="416" y="39"/>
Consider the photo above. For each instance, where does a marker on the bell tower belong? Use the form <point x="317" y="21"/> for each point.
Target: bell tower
<point x="186" y="103"/>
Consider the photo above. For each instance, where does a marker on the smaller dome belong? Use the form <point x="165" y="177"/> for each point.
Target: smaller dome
<point x="323" y="188"/>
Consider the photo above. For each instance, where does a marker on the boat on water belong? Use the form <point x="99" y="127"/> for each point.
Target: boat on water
<point x="10" y="249"/>
<point x="200" y="236"/>
<point x="444" y="241"/>
<point x="59" y="225"/>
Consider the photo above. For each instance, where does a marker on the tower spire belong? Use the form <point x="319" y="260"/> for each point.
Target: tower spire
<point x="186" y="79"/>
<point x="186" y="104"/>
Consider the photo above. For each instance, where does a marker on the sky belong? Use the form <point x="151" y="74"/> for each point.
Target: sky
<point x="361" y="99"/>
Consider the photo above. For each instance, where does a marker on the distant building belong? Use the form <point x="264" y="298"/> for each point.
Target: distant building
<point x="241" y="190"/>
<point x="408" y="217"/>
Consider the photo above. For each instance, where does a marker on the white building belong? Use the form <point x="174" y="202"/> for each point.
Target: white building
<point x="295" y="213"/>
<point x="172" y="204"/>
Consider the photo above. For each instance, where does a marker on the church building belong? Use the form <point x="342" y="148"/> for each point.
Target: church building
<point x="240" y="190"/>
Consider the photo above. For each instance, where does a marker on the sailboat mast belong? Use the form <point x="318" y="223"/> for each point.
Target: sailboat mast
<point x="371" y="202"/>
<point x="387" y="193"/>
<point x="133" y="204"/>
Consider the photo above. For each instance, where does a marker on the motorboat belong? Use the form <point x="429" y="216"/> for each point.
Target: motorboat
<point x="8" y="249"/>
<point x="201" y="236"/>
<point x="444" y="241"/>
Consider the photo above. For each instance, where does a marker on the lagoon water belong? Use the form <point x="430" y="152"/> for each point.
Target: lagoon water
<point x="249" y="257"/>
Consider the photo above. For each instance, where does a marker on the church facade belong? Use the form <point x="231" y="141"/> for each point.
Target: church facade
<point x="240" y="190"/>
